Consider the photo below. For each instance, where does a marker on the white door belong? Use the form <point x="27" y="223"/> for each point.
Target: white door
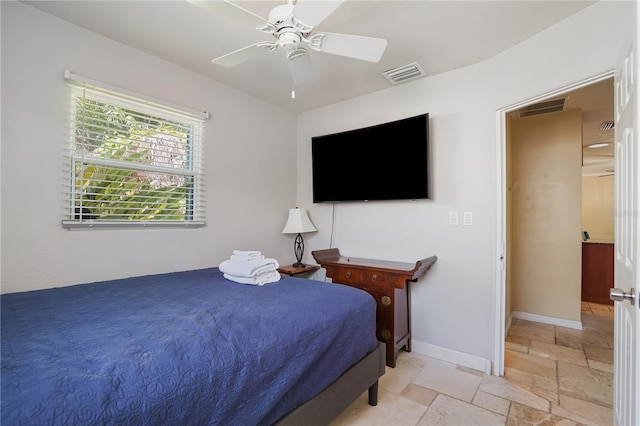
<point x="627" y="315"/>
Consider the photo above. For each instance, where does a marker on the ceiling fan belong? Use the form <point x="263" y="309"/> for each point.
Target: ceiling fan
<point x="292" y="26"/>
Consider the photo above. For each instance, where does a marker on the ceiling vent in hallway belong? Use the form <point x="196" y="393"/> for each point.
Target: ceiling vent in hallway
<point x="607" y="125"/>
<point x="544" y="107"/>
<point x="404" y="73"/>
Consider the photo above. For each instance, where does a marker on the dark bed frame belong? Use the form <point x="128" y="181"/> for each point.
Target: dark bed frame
<point x="334" y="399"/>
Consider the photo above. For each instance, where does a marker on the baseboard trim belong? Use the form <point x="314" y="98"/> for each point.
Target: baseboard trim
<point x="577" y="325"/>
<point x="453" y="356"/>
<point x="508" y="326"/>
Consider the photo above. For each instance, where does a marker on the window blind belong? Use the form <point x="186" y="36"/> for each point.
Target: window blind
<point x="130" y="161"/>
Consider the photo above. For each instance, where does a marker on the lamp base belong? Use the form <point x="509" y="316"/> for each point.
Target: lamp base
<point x="298" y="249"/>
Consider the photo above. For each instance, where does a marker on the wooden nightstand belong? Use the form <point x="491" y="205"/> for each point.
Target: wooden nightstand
<point x="295" y="270"/>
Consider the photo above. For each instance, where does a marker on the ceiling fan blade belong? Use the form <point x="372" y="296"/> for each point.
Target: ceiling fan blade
<point x="243" y="55"/>
<point x="231" y="10"/>
<point x="359" y="47"/>
<point x="301" y="67"/>
<point x="313" y="12"/>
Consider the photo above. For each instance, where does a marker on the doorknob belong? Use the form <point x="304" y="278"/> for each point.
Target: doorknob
<point x="618" y="295"/>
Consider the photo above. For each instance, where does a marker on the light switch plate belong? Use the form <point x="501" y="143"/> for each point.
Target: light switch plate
<point x="467" y="218"/>
<point x="453" y="218"/>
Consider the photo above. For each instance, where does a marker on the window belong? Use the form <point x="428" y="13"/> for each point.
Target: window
<point x="131" y="162"/>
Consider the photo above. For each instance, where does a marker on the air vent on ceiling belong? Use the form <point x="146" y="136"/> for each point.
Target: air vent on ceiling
<point x="607" y="125"/>
<point x="555" y="105"/>
<point x="404" y="73"/>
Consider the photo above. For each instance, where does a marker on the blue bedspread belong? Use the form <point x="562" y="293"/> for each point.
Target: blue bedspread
<point x="181" y="348"/>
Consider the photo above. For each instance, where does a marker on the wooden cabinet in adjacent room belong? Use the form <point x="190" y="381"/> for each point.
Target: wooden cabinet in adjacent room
<point x="597" y="271"/>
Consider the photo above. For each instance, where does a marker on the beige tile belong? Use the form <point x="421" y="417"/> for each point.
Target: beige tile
<point x="412" y="359"/>
<point x="576" y="338"/>
<point x="583" y="412"/>
<point x="506" y="390"/>
<point x="585" y="383"/>
<point x="518" y="344"/>
<point x="605" y="314"/>
<point x="391" y="410"/>
<point x="531" y="363"/>
<point x="448" y="380"/>
<point x="544" y="387"/>
<point x="544" y="384"/>
<point x="523" y="415"/>
<point x="397" y="379"/>
<point x="559" y="353"/>
<point x="598" y="353"/>
<point x="610" y="341"/>
<point x="470" y="371"/>
<point x="597" y="323"/>
<point x="450" y="411"/>
<point x="419" y="394"/>
<point x="491" y="402"/>
<point x="585" y="308"/>
<point x="519" y="338"/>
<point x="598" y="307"/>
<point x="569" y="342"/>
<point x="532" y="331"/>
<point x="602" y="366"/>
<point x="566" y="422"/>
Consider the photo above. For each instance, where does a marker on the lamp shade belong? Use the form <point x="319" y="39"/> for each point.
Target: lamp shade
<point x="298" y="222"/>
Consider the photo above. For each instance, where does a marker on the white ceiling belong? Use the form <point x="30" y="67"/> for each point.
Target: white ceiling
<point x="439" y="35"/>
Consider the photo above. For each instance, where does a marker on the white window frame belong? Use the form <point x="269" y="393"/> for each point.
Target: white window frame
<point x="77" y="157"/>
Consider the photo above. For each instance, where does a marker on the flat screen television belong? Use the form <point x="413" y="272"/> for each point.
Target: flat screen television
<point x="388" y="161"/>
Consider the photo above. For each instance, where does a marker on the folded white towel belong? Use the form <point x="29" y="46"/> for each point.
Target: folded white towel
<point x="238" y="258"/>
<point x="261" y="279"/>
<point x="248" y="269"/>
<point x="247" y="253"/>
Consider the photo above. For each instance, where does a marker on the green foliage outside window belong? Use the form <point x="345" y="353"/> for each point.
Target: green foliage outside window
<point x="127" y="165"/>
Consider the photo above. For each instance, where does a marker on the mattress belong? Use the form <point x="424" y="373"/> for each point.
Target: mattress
<point x="182" y="348"/>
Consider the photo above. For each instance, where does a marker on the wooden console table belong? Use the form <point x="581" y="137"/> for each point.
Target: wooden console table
<point x="388" y="283"/>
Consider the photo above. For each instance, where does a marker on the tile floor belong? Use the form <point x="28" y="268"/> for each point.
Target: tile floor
<point x="553" y="376"/>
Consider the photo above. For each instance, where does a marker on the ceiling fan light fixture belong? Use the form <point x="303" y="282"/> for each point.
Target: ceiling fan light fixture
<point x="289" y="39"/>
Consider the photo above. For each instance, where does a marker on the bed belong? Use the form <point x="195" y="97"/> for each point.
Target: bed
<point x="187" y="348"/>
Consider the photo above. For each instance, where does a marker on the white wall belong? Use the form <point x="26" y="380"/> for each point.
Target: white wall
<point x="598" y="205"/>
<point x="250" y="168"/>
<point x="454" y="304"/>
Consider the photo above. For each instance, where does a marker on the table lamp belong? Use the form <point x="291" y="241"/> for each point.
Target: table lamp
<point x="297" y="223"/>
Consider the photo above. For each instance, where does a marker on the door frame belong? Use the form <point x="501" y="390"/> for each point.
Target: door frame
<point x="500" y="327"/>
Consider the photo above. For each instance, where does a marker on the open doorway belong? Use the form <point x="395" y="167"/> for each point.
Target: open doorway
<point x="549" y="291"/>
